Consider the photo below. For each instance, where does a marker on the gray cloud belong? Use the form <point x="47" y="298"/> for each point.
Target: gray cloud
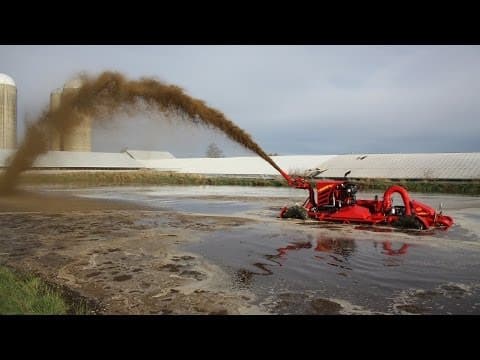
<point x="292" y="99"/>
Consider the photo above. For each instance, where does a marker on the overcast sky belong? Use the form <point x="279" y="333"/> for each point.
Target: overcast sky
<point x="291" y="99"/>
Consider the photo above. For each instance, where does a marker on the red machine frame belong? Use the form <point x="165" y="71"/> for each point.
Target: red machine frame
<point x="335" y="200"/>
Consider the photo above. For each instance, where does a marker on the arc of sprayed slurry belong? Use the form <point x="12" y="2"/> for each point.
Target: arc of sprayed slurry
<point x="102" y="96"/>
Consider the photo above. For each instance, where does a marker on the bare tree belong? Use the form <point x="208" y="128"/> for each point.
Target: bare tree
<point x="213" y="151"/>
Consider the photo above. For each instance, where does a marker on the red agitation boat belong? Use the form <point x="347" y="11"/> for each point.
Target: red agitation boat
<point x="335" y="200"/>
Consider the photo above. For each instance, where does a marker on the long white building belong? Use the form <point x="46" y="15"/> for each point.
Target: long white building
<point x="446" y="166"/>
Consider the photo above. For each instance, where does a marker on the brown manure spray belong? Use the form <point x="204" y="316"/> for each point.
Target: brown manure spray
<point x="103" y="96"/>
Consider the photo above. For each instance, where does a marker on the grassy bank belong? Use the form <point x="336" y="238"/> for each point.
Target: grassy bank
<point x="424" y="186"/>
<point x="26" y="294"/>
<point x="140" y="177"/>
<point x="145" y="177"/>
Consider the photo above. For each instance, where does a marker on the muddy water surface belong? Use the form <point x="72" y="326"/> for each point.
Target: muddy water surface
<point x="296" y="267"/>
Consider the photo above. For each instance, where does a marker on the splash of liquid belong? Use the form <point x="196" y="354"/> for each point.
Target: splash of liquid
<point x="101" y="97"/>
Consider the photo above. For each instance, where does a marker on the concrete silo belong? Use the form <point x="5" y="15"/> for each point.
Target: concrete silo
<point x="80" y="137"/>
<point x="8" y="112"/>
<point x="55" y="142"/>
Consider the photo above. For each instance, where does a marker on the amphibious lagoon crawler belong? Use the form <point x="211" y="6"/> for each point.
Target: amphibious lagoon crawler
<point x="336" y="201"/>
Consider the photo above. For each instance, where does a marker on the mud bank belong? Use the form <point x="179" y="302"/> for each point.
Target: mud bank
<point x="124" y="258"/>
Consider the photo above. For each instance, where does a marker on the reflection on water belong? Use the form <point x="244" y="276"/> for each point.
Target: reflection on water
<point x="388" y="249"/>
<point x="333" y="251"/>
<point x="383" y="229"/>
<point x="379" y="272"/>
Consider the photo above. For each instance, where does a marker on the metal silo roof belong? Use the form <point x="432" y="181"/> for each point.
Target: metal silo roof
<point x="7" y="80"/>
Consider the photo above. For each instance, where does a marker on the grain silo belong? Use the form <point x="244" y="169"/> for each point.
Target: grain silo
<point x="8" y="112"/>
<point x="55" y="140"/>
<point x="78" y="138"/>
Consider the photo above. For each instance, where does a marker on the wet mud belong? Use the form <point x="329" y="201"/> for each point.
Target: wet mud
<point x="124" y="259"/>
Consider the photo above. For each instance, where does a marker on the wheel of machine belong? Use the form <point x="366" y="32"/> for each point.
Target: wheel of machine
<point x="295" y="212"/>
<point x="409" y="222"/>
<point x="418" y="224"/>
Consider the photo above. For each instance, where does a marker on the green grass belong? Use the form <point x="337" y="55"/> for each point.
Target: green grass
<point x="149" y="177"/>
<point x="29" y="295"/>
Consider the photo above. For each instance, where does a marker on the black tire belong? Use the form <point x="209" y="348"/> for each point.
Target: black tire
<point x="296" y="212"/>
<point x="409" y="222"/>
<point x="418" y="224"/>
